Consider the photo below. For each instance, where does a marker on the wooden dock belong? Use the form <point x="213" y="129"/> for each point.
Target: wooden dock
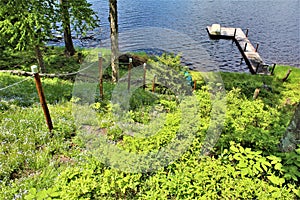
<point x="255" y="63"/>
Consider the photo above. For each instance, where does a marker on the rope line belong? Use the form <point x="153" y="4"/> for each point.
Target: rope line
<point x="74" y="73"/>
<point x="14" y="84"/>
<point x="58" y="75"/>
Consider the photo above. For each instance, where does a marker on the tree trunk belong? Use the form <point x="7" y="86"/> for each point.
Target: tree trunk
<point x="69" y="47"/>
<point x="291" y="137"/>
<point x="113" y="19"/>
<point x="40" y="59"/>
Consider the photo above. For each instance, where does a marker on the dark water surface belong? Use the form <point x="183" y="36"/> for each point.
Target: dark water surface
<point x="179" y="26"/>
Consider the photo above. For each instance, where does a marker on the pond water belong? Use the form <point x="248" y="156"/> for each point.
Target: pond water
<point x="180" y="26"/>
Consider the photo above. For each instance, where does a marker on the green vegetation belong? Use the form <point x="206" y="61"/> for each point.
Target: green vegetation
<point x="244" y="164"/>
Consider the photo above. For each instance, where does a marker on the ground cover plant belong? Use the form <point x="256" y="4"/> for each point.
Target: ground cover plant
<point x="245" y="163"/>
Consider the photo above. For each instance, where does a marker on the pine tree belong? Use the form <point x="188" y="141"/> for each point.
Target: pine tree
<point x="26" y="24"/>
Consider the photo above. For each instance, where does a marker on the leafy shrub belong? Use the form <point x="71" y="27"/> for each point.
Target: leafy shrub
<point x="251" y="123"/>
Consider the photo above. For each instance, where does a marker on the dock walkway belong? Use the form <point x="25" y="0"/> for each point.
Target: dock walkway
<point x="255" y="63"/>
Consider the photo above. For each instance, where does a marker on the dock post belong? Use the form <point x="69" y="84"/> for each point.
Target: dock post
<point x="256" y="70"/>
<point x="247" y="32"/>
<point x="234" y="33"/>
<point x="272" y="72"/>
<point x="245" y="47"/>
<point x="257" y="45"/>
<point x="241" y="60"/>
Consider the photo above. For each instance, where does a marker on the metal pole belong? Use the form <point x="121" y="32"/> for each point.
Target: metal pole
<point x="100" y="76"/>
<point x="42" y="98"/>
<point x="129" y="72"/>
<point x="144" y="79"/>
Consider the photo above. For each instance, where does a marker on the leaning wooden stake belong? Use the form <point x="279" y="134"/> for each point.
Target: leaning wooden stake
<point x="287" y="75"/>
<point x="40" y="91"/>
<point x="100" y="76"/>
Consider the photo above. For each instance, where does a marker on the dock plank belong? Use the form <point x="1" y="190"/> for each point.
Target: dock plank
<point x="251" y="57"/>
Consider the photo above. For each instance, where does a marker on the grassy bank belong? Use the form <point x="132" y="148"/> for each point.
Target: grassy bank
<point x="245" y="162"/>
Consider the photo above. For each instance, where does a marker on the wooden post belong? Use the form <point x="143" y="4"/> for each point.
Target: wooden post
<point x="287" y="75"/>
<point x="241" y="60"/>
<point x="272" y="72"/>
<point x="247" y="32"/>
<point x="256" y="92"/>
<point x="144" y="79"/>
<point x="153" y="84"/>
<point x="257" y="45"/>
<point x="100" y="76"/>
<point x="256" y="70"/>
<point x="129" y="72"/>
<point x="234" y="33"/>
<point x="40" y="91"/>
<point x="195" y="85"/>
<point x="245" y="46"/>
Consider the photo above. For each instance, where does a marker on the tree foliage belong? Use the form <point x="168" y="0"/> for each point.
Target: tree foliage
<point x="27" y="24"/>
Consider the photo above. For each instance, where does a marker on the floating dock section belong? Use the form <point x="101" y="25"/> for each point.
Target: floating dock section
<point x="253" y="60"/>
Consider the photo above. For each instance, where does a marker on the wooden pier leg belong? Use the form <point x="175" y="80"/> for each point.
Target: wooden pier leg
<point x="234" y="33"/>
<point x="100" y="76"/>
<point x="272" y="72"/>
<point x="247" y="32"/>
<point x="257" y="45"/>
<point x="245" y="48"/>
<point x="144" y="79"/>
<point x="256" y="70"/>
<point x="241" y="60"/>
<point x="129" y="72"/>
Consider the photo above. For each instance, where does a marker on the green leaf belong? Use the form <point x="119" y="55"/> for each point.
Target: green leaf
<point x="276" y="180"/>
<point x="274" y="159"/>
<point x="234" y="149"/>
<point x="297" y="192"/>
<point x="278" y="166"/>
